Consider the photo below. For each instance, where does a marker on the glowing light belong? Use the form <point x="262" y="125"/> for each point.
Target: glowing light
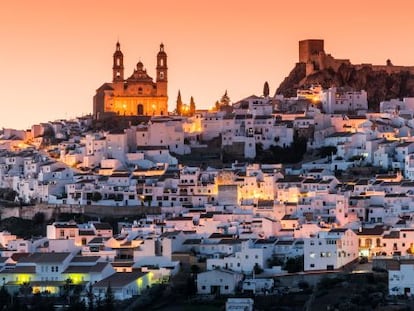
<point x="48" y="289"/>
<point x="23" y="278"/>
<point x="77" y="278"/>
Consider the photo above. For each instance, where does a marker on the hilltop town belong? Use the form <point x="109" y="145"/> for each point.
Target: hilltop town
<point x="236" y="196"/>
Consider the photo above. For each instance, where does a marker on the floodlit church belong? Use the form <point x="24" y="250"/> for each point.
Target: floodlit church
<point x="137" y="95"/>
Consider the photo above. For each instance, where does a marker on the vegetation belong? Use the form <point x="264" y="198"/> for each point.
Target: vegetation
<point x="275" y="261"/>
<point x="8" y="194"/>
<point x="25" y="300"/>
<point x="294" y="264"/>
<point x="24" y="228"/>
<point x="109" y="299"/>
<point x="327" y="151"/>
<point x="257" y="269"/>
<point x="363" y="292"/>
<point x="287" y="155"/>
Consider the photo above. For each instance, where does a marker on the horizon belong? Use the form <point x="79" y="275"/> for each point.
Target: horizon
<point x="58" y="54"/>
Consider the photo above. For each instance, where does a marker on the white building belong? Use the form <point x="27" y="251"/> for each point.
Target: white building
<point x="218" y="282"/>
<point x="330" y="250"/>
<point x="341" y="101"/>
<point x="401" y="277"/>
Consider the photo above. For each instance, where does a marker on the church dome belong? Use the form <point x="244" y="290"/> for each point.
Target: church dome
<point x="140" y="66"/>
<point x="162" y="52"/>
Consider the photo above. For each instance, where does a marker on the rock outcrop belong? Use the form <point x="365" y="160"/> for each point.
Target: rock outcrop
<point x="379" y="84"/>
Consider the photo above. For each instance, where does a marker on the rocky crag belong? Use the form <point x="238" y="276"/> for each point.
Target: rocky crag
<point x="379" y="85"/>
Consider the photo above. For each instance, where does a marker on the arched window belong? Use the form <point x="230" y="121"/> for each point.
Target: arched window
<point x="140" y="90"/>
<point x="140" y="109"/>
<point x="161" y="62"/>
<point x="161" y="75"/>
<point x="118" y="61"/>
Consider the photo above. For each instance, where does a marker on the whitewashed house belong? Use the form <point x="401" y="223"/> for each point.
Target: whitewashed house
<point x="330" y="250"/>
<point x="218" y="282"/>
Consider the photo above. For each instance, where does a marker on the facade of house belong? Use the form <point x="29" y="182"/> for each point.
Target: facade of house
<point x="218" y="282"/>
<point x="330" y="250"/>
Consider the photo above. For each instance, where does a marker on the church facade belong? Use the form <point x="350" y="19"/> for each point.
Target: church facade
<point x="137" y="95"/>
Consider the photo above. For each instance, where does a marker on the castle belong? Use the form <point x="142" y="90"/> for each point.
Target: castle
<point x="312" y="53"/>
<point x="137" y="95"/>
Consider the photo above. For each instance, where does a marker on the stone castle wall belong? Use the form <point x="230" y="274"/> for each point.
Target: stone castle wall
<point x="311" y="52"/>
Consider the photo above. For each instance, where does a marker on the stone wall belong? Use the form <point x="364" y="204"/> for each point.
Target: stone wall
<point x="50" y="211"/>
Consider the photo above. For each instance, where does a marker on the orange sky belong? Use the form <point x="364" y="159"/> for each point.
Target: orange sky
<point x="56" y="53"/>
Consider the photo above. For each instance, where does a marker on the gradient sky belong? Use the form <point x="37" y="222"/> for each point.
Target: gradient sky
<point x="55" y="54"/>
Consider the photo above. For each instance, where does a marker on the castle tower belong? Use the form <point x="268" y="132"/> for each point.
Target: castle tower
<point x="309" y="48"/>
<point x="162" y="72"/>
<point x="118" y="65"/>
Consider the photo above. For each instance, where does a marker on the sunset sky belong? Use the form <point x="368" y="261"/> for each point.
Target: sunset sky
<point x="55" y="54"/>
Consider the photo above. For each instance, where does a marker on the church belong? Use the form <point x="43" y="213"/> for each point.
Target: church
<point x="137" y="95"/>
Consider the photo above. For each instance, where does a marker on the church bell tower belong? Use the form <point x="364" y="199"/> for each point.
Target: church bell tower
<point x="118" y="66"/>
<point x="162" y="72"/>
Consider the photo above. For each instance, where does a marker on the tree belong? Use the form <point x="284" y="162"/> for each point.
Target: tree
<point x="5" y="298"/>
<point x="16" y="305"/>
<point x="192" y="106"/>
<point x="8" y="194"/>
<point x="67" y="289"/>
<point x="266" y="89"/>
<point x="294" y="264"/>
<point x="217" y="106"/>
<point x="25" y="289"/>
<point x="39" y="218"/>
<point x="179" y="105"/>
<point x="90" y="297"/>
<point x="327" y="151"/>
<point x="225" y="99"/>
<point x="109" y="299"/>
<point x="257" y="269"/>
